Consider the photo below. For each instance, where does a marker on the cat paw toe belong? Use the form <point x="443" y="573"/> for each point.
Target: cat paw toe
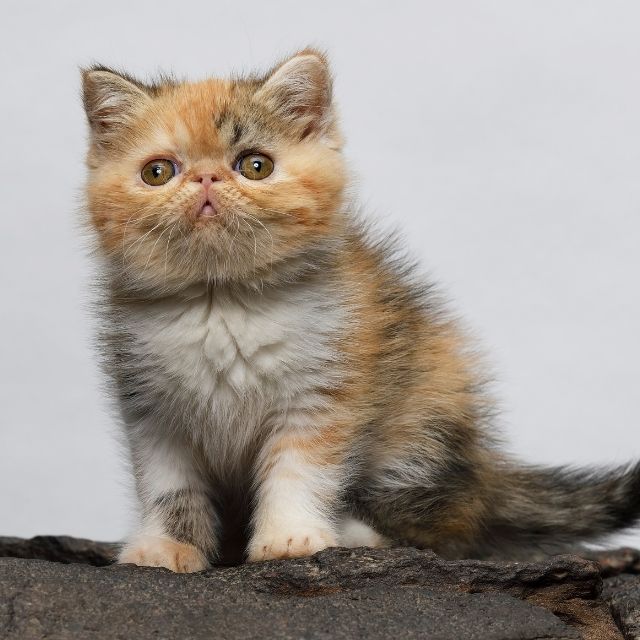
<point x="294" y="544"/>
<point x="149" y="551"/>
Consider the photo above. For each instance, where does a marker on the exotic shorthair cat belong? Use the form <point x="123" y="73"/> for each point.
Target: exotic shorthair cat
<point x="285" y="383"/>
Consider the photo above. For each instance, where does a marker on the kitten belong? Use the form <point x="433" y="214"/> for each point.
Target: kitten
<point x="278" y="371"/>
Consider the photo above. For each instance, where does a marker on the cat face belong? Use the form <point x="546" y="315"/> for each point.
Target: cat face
<point x="213" y="181"/>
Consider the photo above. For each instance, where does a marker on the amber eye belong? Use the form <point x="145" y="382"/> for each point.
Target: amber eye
<point x="158" y="172"/>
<point x="255" y="166"/>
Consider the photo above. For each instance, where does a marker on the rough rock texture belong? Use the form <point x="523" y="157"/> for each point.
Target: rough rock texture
<point x="63" y="549"/>
<point x="623" y="594"/>
<point x="61" y="588"/>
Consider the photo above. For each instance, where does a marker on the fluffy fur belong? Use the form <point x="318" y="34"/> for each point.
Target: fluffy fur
<point x="282" y="376"/>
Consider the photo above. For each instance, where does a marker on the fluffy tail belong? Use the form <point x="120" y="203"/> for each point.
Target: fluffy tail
<point x="552" y="508"/>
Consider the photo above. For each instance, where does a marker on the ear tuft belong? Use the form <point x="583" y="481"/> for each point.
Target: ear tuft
<point x="300" y="91"/>
<point x="110" y="101"/>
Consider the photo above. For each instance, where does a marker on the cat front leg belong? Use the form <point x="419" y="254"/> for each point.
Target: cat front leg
<point x="300" y="478"/>
<point x="177" y="528"/>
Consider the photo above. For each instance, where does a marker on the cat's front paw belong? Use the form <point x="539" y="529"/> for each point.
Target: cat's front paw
<point x="290" y="544"/>
<point x="151" y="551"/>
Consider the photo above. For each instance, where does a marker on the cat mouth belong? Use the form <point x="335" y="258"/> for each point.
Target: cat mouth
<point x="207" y="210"/>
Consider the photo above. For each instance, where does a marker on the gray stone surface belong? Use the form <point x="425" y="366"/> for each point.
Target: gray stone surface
<point x="63" y="549"/>
<point x="76" y="601"/>
<point x="623" y="594"/>
<point x="337" y="594"/>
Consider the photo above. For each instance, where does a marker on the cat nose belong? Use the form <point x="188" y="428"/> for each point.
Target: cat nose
<point x="205" y="179"/>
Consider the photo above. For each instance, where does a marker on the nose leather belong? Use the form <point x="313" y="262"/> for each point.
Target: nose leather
<point x="205" y="179"/>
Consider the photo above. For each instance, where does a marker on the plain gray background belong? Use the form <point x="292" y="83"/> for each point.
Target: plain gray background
<point x="503" y="138"/>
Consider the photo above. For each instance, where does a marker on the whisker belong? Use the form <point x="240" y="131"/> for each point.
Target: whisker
<point x="281" y="213"/>
<point x="141" y="238"/>
<point x="255" y="241"/>
<point x="124" y="233"/>
<point x="166" y="251"/>
<point x="251" y="217"/>
<point x="155" y="244"/>
<point x="131" y="217"/>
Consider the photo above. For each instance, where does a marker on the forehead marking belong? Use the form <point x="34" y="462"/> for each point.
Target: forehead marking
<point x="181" y="134"/>
<point x="220" y="118"/>
<point x="238" y="130"/>
<point x="157" y="142"/>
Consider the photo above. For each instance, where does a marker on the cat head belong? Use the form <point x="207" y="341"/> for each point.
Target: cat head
<point x="213" y="181"/>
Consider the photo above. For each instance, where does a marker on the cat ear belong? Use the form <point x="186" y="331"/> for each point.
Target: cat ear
<point x="110" y="100"/>
<point x="300" y="91"/>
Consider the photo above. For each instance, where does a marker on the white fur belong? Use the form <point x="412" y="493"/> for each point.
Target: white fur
<point x="240" y="368"/>
<point x="291" y="515"/>
<point x="166" y="466"/>
<point x="354" y="533"/>
<point x="248" y="362"/>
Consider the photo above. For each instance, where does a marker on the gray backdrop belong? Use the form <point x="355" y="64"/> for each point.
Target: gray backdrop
<point x="502" y="137"/>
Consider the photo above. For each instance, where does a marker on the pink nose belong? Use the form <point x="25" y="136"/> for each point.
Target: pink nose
<point x="205" y="179"/>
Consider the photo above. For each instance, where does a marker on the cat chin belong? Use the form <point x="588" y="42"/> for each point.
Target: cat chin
<point x="185" y="278"/>
<point x="213" y="266"/>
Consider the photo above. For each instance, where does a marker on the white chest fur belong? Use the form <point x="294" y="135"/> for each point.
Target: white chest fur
<point x="240" y="357"/>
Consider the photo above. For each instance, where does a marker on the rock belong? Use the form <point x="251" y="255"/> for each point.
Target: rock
<point x="623" y="594"/>
<point x="63" y="549"/>
<point x="338" y="593"/>
<point x="617" y="561"/>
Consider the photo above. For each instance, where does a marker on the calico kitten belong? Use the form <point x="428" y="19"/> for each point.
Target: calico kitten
<point x="278" y="371"/>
